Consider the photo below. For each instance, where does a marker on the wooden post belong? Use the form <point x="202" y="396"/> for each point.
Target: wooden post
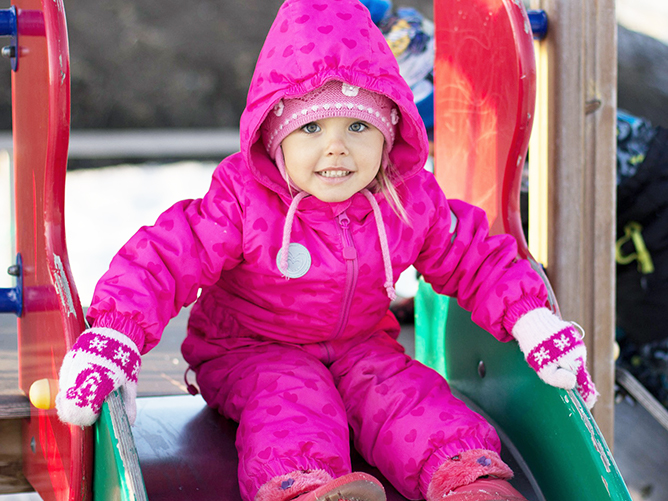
<point x="572" y="177"/>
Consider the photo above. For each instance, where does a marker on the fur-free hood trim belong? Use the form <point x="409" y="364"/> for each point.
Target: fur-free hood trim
<point x="310" y="43"/>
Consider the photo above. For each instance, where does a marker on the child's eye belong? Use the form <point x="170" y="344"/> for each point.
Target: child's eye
<point x="311" y="128"/>
<point x="358" y="126"/>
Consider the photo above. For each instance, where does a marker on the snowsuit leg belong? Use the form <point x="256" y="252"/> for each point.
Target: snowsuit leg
<point x="290" y="414"/>
<point x="403" y="415"/>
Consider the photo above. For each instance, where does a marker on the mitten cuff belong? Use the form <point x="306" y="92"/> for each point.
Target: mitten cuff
<point x="520" y="308"/>
<point x="465" y="468"/>
<point x="109" y="349"/>
<point x="536" y="326"/>
<point x="121" y="323"/>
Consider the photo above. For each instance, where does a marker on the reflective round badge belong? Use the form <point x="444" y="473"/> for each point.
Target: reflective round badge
<point x="299" y="261"/>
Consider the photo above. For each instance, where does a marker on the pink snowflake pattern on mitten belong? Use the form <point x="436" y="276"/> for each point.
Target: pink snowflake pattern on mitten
<point x="555" y="350"/>
<point x="100" y="361"/>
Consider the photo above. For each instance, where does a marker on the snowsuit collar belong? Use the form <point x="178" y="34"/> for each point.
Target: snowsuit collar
<point x="382" y="235"/>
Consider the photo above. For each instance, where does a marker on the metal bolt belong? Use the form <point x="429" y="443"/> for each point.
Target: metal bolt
<point x="33" y="445"/>
<point x="482" y="370"/>
<point x="9" y="51"/>
<point x="14" y="270"/>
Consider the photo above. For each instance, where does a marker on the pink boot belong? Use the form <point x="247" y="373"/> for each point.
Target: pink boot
<point x="474" y="475"/>
<point x="352" y="487"/>
<point x="485" y="489"/>
<point x="319" y="486"/>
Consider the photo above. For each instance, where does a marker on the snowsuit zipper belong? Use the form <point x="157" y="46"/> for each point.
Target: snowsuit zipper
<point x="352" y="269"/>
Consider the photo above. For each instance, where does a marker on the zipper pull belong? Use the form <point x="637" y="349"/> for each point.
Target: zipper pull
<point x="349" y="251"/>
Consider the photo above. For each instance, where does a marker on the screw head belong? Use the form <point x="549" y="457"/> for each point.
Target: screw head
<point x="14" y="270"/>
<point x="9" y="51"/>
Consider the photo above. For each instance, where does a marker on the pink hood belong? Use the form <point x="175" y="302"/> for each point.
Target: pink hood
<point x="311" y="43"/>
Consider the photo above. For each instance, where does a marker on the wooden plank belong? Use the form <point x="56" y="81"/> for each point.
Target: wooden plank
<point x="14" y="405"/>
<point x="11" y="458"/>
<point x="642" y="451"/>
<point x="577" y="90"/>
<point x="601" y="148"/>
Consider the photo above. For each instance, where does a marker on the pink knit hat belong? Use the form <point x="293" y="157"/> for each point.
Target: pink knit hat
<point x="333" y="99"/>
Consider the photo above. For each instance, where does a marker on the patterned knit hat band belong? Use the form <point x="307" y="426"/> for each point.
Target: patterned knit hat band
<point x="333" y="99"/>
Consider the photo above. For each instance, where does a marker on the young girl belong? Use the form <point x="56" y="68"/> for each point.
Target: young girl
<point x="291" y="257"/>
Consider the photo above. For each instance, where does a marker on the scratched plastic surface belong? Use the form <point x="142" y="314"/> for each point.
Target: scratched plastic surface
<point x="57" y="458"/>
<point x="485" y="94"/>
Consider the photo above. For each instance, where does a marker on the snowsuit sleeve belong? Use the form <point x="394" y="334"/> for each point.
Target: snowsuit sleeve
<point x="460" y="259"/>
<point x="162" y="267"/>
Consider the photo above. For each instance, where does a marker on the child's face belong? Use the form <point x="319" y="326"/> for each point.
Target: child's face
<point x="333" y="158"/>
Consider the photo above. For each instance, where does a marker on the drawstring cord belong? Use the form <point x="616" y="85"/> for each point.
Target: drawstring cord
<point x="287" y="230"/>
<point x="384" y="247"/>
<point x="382" y="235"/>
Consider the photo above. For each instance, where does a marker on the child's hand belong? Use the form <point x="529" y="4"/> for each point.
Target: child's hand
<point x="100" y="361"/>
<point x="554" y="349"/>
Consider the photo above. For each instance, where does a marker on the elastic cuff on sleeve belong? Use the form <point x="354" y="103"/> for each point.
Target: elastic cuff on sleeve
<point x="124" y="325"/>
<point x="518" y="309"/>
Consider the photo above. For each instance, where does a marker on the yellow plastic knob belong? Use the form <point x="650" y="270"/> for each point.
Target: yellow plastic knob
<point x="43" y="393"/>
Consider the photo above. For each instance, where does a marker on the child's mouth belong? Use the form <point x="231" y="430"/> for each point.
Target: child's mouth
<point x="334" y="173"/>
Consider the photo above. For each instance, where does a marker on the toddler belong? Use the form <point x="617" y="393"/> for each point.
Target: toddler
<point x="291" y="258"/>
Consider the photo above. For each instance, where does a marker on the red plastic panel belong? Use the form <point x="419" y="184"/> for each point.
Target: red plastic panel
<point x="57" y="457"/>
<point x="484" y="99"/>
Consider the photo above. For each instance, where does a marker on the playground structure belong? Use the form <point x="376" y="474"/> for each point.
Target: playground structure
<point x="108" y="462"/>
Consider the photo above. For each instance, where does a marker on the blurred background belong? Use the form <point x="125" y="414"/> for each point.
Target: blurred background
<point x="169" y="63"/>
<point x="161" y="63"/>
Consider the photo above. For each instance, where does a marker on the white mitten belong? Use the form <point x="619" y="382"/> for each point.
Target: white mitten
<point x="555" y="350"/>
<point x="100" y="361"/>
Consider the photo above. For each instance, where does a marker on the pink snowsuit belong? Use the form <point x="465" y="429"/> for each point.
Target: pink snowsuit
<point x="297" y="361"/>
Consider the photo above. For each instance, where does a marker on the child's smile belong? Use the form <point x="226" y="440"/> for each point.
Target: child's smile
<point x="334" y="173"/>
<point x="333" y="158"/>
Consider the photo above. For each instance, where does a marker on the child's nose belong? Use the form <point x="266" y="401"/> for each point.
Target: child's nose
<point x="336" y="145"/>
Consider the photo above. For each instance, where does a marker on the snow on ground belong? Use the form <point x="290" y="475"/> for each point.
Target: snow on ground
<point x="104" y="207"/>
